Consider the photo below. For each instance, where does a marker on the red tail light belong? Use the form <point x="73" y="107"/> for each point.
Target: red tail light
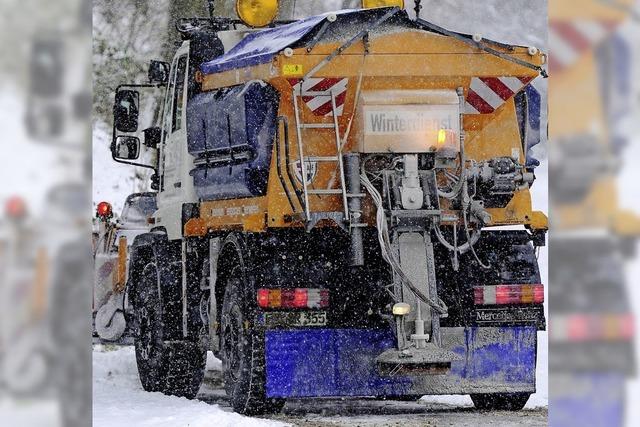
<point x="293" y="298"/>
<point x="263" y="298"/>
<point x="508" y="294"/>
<point x="478" y="295"/>
<point x="300" y="298"/>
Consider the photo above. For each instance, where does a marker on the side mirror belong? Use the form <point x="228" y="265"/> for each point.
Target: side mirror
<point x="158" y="72"/>
<point x="127" y="148"/>
<point x="155" y="182"/>
<point x="126" y="110"/>
<point x="152" y="137"/>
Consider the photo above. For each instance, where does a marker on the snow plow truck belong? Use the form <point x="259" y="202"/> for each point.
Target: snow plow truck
<point x="328" y="196"/>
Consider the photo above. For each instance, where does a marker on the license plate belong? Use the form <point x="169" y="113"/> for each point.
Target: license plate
<point x="295" y="319"/>
<point x="312" y="318"/>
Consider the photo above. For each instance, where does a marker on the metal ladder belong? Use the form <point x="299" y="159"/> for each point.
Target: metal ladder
<point x="297" y="92"/>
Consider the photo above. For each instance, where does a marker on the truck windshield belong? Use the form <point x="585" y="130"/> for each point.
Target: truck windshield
<point x="138" y="208"/>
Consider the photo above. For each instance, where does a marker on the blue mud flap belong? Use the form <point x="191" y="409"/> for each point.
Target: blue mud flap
<point x="341" y="362"/>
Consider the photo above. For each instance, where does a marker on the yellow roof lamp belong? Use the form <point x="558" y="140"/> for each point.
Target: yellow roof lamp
<point x="372" y="4"/>
<point x="257" y="13"/>
<point x="260" y="13"/>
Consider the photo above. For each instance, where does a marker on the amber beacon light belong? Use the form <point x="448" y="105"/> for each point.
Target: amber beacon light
<point x="371" y="4"/>
<point x="257" y="13"/>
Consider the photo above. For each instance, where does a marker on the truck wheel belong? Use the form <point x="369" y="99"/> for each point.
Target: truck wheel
<point x="242" y="354"/>
<point x="500" y="401"/>
<point x="175" y="368"/>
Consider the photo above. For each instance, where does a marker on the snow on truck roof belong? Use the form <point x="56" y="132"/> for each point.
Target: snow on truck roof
<point x="261" y="46"/>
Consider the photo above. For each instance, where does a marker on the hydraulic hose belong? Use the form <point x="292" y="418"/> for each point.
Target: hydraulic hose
<point x="387" y="253"/>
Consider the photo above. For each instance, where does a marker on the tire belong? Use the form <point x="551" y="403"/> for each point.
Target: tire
<point x="175" y="368"/>
<point x="242" y="353"/>
<point x="500" y="401"/>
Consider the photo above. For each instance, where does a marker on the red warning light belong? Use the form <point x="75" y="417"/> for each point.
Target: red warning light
<point x="15" y="207"/>
<point x="103" y="211"/>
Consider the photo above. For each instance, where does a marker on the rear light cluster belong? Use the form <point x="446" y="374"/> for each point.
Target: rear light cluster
<point x="592" y="327"/>
<point x="508" y="294"/>
<point x="293" y="298"/>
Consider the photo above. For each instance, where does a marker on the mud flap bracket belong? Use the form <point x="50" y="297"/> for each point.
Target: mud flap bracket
<point x="431" y="359"/>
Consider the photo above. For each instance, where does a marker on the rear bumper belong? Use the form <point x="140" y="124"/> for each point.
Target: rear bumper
<point x="341" y="362"/>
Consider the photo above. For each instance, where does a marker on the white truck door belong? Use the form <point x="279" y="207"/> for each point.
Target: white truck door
<point x="174" y="130"/>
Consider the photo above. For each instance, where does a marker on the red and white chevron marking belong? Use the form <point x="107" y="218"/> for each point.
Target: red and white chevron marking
<point x="319" y="93"/>
<point x="486" y="94"/>
<point x="569" y="39"/>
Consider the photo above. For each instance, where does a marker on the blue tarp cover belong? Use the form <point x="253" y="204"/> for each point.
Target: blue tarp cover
<point x="261" y="46"/>
<point x="240" y="119"/>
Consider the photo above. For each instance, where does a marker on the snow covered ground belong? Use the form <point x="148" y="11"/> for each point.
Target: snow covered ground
<point x="118" y="400"/>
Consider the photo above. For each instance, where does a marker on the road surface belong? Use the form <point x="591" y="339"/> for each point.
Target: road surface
<point x="118" y="399"/>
